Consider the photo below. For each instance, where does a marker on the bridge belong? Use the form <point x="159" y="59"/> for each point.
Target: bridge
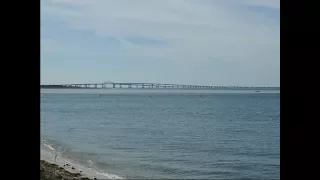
<point x="127" y="85"/>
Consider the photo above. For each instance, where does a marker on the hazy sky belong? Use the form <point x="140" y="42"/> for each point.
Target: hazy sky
<point x="205" y="42"/>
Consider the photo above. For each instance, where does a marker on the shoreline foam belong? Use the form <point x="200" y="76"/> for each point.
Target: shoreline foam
<point x="51" y="156"/>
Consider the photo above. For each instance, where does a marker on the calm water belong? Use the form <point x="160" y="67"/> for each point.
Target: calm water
<point x="163" y="134"/>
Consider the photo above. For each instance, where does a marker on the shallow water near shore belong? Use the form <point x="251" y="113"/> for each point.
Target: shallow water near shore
<point x="164" y="134"/>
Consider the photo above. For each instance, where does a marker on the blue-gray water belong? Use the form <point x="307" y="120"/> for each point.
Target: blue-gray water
<point x="163" y="134"/>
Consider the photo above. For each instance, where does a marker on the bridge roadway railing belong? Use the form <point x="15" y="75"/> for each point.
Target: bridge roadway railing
<point x="152" y="85"/>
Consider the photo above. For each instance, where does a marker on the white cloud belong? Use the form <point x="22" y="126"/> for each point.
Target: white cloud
<point x="266" y="3"/>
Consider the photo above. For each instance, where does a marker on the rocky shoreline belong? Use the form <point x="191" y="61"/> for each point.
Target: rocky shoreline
<point x="49" y="171"/>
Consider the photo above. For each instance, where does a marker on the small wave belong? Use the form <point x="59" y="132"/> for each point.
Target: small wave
<point x="109" y="176"/>
<point x="49" y="146"/>
<point x="51" y="150"/>
<point x="102" y="174"/>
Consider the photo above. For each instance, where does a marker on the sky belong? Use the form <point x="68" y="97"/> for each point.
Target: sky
<point x="198" y="42"/>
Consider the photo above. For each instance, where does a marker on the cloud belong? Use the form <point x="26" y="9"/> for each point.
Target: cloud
<point x="145" y="41"/>
<point x="198" y="31"/>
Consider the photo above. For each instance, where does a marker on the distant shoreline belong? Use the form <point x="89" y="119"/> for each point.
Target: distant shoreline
<point x="237" y="89"/>
<point x="72" y="88"/>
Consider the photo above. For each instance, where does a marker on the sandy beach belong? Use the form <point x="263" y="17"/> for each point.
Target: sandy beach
<point x="53" y="171"/>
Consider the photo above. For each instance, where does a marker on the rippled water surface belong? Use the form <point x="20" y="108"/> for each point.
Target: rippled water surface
<point x="165" y="134"/>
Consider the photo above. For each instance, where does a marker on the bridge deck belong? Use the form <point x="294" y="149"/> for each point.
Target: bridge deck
<point x="149" y="85"/>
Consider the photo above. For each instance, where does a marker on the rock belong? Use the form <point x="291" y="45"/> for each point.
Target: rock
<point x="54" y="172"/>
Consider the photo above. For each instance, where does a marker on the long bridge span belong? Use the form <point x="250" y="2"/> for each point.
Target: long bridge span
<point x="151" y="86"/>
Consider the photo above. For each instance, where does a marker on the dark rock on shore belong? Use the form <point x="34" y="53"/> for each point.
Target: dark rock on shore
<point x="50" y="171"/>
